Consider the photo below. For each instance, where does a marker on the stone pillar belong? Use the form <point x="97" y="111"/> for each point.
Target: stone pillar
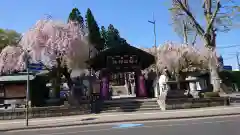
<point x="156" y="88"/>
<point x="126" y="83"/>
<point x="193" y="86"/>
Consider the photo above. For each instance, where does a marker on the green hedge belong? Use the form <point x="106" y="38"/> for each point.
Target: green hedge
<point x="229" y="77"/>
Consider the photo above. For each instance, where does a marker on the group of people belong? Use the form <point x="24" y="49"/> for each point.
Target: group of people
<point x="138" y="83"/>
<point x="141" y="84"/>
<point x="149" y="82"/>
<point x="151" y="78"/>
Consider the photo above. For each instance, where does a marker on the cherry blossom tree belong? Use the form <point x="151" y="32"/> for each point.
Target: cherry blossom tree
<point x="59" y="46"/>
<point x="180" y="58"/>
<point x="44" y="42"/>
<point x="49" y="38"/>
<point x="11" y="59"/>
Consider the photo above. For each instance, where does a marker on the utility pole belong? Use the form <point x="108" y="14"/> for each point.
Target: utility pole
<point x="155" y="41"/>
<point x="27" y="92"/>
<point x="89" y="57"/>
<point x="238" y="63"/>
<point x="156" y="53"/>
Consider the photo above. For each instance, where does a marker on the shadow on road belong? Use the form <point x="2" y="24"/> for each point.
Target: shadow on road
<point x="122" y="106"/>
<point x="87" y="119"/>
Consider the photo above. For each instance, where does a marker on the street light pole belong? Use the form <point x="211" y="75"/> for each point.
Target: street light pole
<point x="156" y="54"/>
<point x="155" y="42"/>
<point x="27" y="93"/>
<point x="238" y="63"/>
<point x="89" y="57"/>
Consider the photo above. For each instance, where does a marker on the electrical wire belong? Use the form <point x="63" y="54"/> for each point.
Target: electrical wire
<point x="225" y="47"/>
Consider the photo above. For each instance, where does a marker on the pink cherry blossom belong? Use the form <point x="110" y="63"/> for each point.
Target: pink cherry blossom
<point x="11" y="59"/>
<point x="180" y="57"/>
<point x="42" y="42"/>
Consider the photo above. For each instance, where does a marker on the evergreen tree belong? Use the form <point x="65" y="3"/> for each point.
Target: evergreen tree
<point x="104" y="37"/>
<point x="122" y="41"/>
<point x="112" y="36"/>
<point x="75" y="15"/>
<point x="93" y="29"/>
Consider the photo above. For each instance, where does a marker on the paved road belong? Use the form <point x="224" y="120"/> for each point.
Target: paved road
<point x="204" y="126"/>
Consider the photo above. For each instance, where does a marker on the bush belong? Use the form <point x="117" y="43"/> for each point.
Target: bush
<point x="210" y="94"/>
<point x="229" y="77"/>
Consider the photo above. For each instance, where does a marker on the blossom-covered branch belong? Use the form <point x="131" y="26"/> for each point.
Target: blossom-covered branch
<point x="180" y="57"/>
<point x="43" y="41"/>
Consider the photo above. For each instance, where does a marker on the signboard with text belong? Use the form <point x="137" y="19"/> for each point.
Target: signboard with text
<point x="226" y="67"/>
<point x="35" y="67"/>
<point x="122" y="62"/>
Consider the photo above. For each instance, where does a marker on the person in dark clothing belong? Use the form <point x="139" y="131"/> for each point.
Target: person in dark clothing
<point x="136" y="77"/>
<point x="151" y="77"/>
<point x="167" y="72"/>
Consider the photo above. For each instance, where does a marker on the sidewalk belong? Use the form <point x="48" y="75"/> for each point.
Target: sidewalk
<point x="235" y="97"/>
<point x="232" y="95"/>
<point x="7" y="125"/>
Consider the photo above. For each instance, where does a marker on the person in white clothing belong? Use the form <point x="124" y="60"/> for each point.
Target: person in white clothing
<point x="164" y="77"/>
<point x="163" y="86"/>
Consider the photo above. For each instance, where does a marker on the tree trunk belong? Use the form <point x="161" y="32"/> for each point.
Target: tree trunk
<point x="213" y="69"/>
<point x="55" y="88"/>
<point x="185" y="35"/>
<point x="177" y="77"/>
<point x="58" y="87"/>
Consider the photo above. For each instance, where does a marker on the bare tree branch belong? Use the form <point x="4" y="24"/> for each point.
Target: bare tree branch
<point x="181" y="23"/>
<point x="195" y="38"/>
<point x="185" y="37"/>
<point x="210" y="25"/>
<point x="198" y="27"/>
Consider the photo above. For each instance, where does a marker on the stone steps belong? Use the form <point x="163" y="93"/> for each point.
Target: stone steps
<point x="130" y="110"/>
<point x="130" y="105"/>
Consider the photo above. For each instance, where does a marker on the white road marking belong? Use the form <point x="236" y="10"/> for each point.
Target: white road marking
<point x="67" y="118"/>
<point x="145" y="126"/>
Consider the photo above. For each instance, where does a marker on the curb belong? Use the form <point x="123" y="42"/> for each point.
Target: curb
<point x="117" y="121"/>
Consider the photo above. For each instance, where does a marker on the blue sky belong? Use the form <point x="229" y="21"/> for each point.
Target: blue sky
<point x="128" y="16"/>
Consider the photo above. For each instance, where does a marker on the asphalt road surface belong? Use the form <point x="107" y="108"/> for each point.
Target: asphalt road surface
<point x="204" y="126"/>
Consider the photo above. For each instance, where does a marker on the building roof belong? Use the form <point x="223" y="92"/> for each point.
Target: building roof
<point x="100" y="61"/>
<point x="16" y="78"/>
